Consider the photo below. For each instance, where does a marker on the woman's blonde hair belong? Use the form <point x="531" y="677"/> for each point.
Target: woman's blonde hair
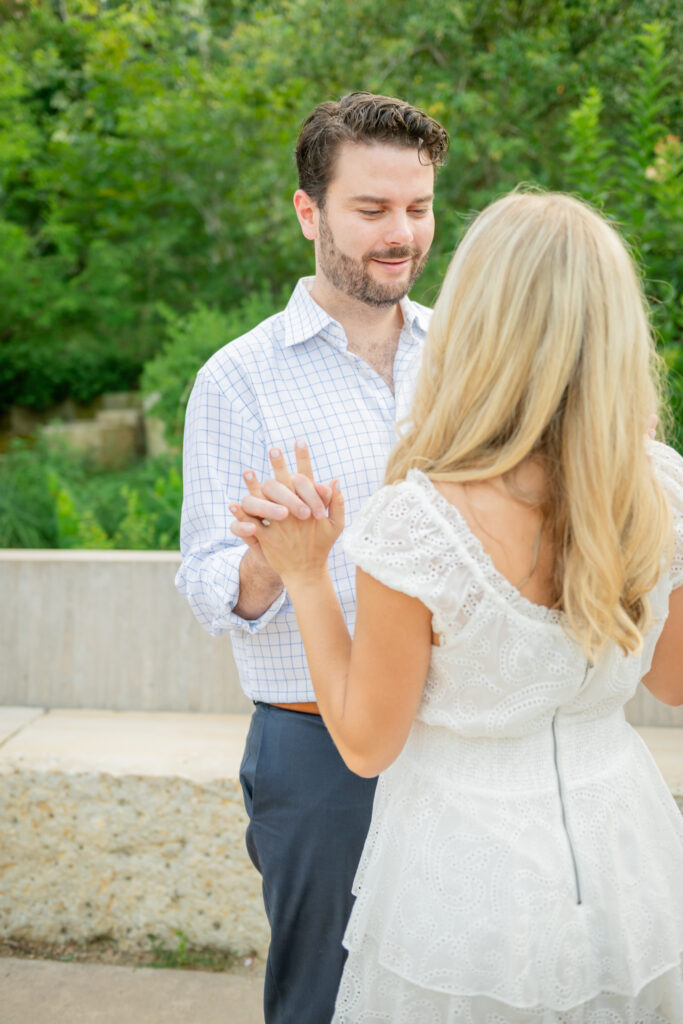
<point x="540" y="346"/>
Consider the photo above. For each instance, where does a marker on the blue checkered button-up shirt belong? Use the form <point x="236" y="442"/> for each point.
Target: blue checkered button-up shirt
<point x="291" y="377"/>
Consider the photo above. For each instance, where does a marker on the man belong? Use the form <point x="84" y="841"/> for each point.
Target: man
<point x="334" y="372"/>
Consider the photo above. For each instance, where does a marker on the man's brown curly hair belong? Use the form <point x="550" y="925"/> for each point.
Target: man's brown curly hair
<point x="362" y="117"/>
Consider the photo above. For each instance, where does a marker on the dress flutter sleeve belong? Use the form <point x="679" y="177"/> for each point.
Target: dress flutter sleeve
<point x="396" y="539"/>
<point x="668" y="465"/>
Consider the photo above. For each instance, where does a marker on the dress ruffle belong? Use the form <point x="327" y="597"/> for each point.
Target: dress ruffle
<point x="370" y="994"/>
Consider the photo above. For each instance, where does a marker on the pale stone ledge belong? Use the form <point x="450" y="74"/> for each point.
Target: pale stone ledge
<point x="108" y="629"/>
<point x="126" y="825"/>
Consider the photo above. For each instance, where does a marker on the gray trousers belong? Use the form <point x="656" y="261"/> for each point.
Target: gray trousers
<point x="308" y="819"/>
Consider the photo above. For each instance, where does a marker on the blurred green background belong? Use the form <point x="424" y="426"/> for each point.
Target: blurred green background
<point x="146" y="175"/>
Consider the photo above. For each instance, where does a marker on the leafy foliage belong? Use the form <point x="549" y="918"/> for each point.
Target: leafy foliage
<point x="27" y="513"/>
<point x="146" y="148"/>
<point x="637" y="177"/>
<point x="146" y="174"/>
<point x="53" y="497"/>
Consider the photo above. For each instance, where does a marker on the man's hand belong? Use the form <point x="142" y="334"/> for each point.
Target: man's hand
<point x="297" y="495"/>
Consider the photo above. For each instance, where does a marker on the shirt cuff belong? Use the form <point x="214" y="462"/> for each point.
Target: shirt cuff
<point x="236" y="622"/>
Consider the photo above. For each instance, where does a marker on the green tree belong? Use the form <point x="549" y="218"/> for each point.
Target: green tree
<point x="147" y="147"/>
<point x="636" y="175"/>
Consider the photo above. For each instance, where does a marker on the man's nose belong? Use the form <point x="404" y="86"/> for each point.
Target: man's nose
<point x="399" y="231"/>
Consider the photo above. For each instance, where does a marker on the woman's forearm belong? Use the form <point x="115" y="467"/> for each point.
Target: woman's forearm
<point x="328" y="649"/>
<point x="368" y="692"/>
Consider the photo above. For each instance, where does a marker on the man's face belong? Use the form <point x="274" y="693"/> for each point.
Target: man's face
<point x="376" y="225"/>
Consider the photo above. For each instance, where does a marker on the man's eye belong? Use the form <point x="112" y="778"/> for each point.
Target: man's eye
<point x="420" y="211"/>
<point x="370" y="213"/>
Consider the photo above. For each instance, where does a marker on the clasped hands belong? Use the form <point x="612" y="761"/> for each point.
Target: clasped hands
<point x="305" y="517"/>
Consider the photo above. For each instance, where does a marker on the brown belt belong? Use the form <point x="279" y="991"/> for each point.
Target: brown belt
<point x="308" y="707"/>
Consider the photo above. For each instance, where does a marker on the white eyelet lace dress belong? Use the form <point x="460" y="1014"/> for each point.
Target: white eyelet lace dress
<point x="525" y="858"/>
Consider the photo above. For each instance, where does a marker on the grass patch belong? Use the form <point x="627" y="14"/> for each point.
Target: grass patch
<point x="190" y="958"/>
<point x="105" y="950"/>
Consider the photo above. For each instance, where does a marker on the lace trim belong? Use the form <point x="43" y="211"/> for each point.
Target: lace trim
<point x="498" y="582"/>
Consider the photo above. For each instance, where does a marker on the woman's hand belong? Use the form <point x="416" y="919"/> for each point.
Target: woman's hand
<point x="281" y="496"/>
<point x="296" y="547"/>
<point x="297" y="495"/>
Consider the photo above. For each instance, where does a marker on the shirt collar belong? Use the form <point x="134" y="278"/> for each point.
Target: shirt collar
<point x="305" y="319"/>
<point x="415" y="315"/>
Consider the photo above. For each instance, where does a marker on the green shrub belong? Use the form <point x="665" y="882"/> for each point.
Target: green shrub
<point x="636" y="175"/>
<point x="27" y="509"/>
<point x="146" y="148"/>
<point x="53" y="497"/>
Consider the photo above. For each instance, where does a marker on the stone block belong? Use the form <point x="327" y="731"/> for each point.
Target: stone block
<point x="113" y="439"/>
<point x="115" y="400"/>
<point x="155" y="436"/>
<point x="127" y="826"/>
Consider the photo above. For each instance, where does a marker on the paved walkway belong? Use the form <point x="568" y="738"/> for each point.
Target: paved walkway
<point x="49" y="992"/>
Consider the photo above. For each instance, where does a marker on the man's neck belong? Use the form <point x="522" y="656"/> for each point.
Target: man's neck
<point x="366" y="327"/>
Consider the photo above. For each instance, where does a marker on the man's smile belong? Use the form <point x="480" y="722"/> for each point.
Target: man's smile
<point x="393" y="266"/>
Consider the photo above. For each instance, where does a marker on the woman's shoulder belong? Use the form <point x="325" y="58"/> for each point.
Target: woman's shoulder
<point x="668" y="467"/>
<point x="667" y="461"/>
<point x="414" y="501"/>
<point x="395" y="507"/>
<point x="399" y="537"/>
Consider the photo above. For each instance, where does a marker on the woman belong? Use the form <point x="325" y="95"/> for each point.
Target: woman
<point x="525" y="857"/>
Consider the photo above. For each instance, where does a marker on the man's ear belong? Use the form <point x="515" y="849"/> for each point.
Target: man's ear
<point x="307" y="213"/>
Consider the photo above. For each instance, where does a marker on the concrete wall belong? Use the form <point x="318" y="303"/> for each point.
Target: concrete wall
<point x="107" y="629"/>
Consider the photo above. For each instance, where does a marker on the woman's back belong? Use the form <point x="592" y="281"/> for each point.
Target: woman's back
<point x="505" y="513"/>
<point x="525" y="856"/>
<point x="504" y="659"/>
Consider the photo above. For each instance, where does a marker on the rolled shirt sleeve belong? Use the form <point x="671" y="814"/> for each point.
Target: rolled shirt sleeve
<point x="223" y="437"/>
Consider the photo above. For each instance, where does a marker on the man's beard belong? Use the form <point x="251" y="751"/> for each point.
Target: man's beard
<point x="352" y="277"/>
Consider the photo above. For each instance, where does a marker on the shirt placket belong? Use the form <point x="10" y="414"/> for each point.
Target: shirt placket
<point x="376" y="393"/>
<point x="406" y="365"/>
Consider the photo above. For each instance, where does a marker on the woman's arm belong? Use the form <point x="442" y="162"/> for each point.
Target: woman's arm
<point x="367" y="691"/>
<point x="665" y="678"/>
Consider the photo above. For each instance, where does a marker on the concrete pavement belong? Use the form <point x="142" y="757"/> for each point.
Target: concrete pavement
<point x="50" y="992"/>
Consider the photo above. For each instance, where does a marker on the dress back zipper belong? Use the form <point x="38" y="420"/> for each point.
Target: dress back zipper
<point x="565" y="824"/>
